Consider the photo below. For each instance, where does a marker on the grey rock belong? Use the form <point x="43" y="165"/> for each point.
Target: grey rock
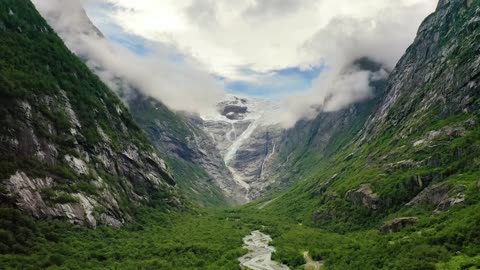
<point x="398" y="224"/>
<point x="27" y="192"/>
<point x="364" y="196"/>
<point x="449" y="202"/>
<point x="442" y="196"/>
<point x="78" y="165"/>
<point x="401" y="165"/>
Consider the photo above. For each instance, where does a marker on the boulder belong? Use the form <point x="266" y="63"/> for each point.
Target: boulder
<point x="398" y="224"/>
<point x="449" y="202"/>
<point x="364" y="196"/>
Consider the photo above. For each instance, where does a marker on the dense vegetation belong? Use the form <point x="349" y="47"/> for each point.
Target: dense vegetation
<point x="213" y="240"/>
<point x="35" y="63"/>
<point x="155" y="241"/>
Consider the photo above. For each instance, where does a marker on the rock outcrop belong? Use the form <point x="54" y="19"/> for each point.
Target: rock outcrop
<point x="398" y="224"/>
<point x="441" y="196"/>
<point x="364" y="196"/>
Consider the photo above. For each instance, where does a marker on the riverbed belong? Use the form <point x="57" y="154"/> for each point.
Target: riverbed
<point x="259" y="256"/>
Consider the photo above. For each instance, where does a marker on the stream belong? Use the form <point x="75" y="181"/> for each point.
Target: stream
<point x="259" y="256"/>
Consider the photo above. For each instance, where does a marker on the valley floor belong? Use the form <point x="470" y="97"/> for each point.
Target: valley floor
<point x="213" y="240"/>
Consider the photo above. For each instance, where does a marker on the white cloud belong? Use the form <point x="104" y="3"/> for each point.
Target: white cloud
<point x="239" y="40"/>
<point x="160" y="74"/>
<point x="264" y="35"/>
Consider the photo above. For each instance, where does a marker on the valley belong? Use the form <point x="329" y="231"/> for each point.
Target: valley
<point x="101" y="175"/>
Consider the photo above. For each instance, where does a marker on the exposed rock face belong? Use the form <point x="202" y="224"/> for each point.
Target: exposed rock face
<point x="142" y="170"/>
<point x="440" y="71"/>
<point x="254" y="161"/>
<point x="450" y="132"/>
<point x="247" y="144"/>
<point x="398" y="224"/>
<point x="234" y="109"/>
<point x="234" y="112"/>
<point x="364" y="196"/>
<point x="442" y="196"/>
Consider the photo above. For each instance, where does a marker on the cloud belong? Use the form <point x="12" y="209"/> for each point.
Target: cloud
<point x="226" y="36"/>
<point x="382" y="37"/>
<point x="203" y="13"/>
<point x="160" y="72"/>
<point x="272" y="8"/>
<point x="246" y="43"/>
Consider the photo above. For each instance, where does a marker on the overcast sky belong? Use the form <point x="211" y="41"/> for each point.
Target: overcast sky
<point x="260" y="47"/>
<point x="234" y="39"/>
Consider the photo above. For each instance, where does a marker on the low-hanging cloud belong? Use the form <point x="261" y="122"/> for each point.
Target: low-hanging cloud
<point x="161" y="73"/>
<point x="383" y="38"/>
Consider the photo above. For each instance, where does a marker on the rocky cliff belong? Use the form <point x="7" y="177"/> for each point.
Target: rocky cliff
<point x="200" y="172"/>
<point x="246" y="142"/>
<point x="438" y="76"/>
<point x="69" y="148"/>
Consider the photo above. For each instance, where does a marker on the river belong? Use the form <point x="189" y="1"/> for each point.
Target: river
<point x="259" y="256"/>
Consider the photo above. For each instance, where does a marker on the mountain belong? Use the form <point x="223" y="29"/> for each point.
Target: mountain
<point x="200" y="172"/>
<point x="246" y="142"/>
<point x="309" y="141"/>
<point x="263" y="156"/>
<point x="422" y="134"/>
<point x="416" y="154"/>
<point x="193" y="156"/>
<point x="69" y="147"/>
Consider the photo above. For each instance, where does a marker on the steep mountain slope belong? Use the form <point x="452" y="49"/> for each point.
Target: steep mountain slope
<point x="69" y="148"/>
<point x="416" y="160"/>
<point x="195" y="159"/>
<point x="425" y="129"/>
<point x="309" y="141"/>
<point x="199" y="171"/>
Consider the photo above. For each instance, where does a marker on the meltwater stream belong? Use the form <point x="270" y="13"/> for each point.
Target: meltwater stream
<point x="259" y="256"/>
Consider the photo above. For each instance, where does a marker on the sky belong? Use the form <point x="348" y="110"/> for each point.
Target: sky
<point x="298" y="51"/>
